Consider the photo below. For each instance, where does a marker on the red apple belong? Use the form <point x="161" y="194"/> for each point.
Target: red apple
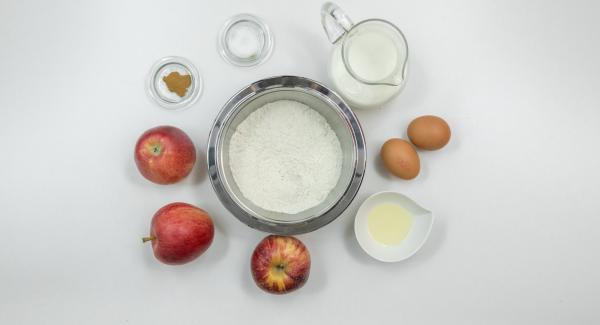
<point x="280" y="264"/>
<point x="165" y="154"/>
<point x="180" y="232"/>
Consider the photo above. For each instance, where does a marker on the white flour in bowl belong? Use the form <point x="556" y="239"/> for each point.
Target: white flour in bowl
<point x="285" y="157"/>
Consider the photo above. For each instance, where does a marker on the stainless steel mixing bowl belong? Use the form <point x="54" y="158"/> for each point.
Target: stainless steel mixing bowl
<point x="341" y="119"/>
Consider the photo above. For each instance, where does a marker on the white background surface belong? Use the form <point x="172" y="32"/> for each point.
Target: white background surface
<point x="516" y="193"/>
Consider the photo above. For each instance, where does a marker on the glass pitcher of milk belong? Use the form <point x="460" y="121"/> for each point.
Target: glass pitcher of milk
<point x="369" y="61"/>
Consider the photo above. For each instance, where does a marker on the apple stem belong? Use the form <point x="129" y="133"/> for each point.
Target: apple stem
<point x="150" y="238"/>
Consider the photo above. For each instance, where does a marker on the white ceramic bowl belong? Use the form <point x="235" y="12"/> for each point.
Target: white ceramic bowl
<point x="421" y="227"/>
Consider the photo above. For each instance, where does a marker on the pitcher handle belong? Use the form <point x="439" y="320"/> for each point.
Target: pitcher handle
<point x="335" y="21"/>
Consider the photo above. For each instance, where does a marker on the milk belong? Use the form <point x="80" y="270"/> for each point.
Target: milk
<point x="374" y="56"/>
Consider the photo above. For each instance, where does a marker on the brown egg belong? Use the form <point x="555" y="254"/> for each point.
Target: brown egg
<point x="400" y="158"/>
<point x="429" y="132"/>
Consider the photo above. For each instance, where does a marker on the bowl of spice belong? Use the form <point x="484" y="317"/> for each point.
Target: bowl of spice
<point x="174" y="83"/>
<point x="286" y="155"/>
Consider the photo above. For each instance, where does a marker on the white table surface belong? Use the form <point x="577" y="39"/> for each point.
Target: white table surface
<point x="516" y="193"/>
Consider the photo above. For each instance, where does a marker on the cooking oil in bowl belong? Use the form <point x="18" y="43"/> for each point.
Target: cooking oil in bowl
<point x="389" y="223"/>
<point x="391" y="227"/>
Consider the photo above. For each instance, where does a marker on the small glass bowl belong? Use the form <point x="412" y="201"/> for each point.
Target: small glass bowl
<point x="245" y="40"/>
<point x="160" y="93"/>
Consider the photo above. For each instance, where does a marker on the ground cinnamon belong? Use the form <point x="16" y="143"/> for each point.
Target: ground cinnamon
<point x="178" y="83"/>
